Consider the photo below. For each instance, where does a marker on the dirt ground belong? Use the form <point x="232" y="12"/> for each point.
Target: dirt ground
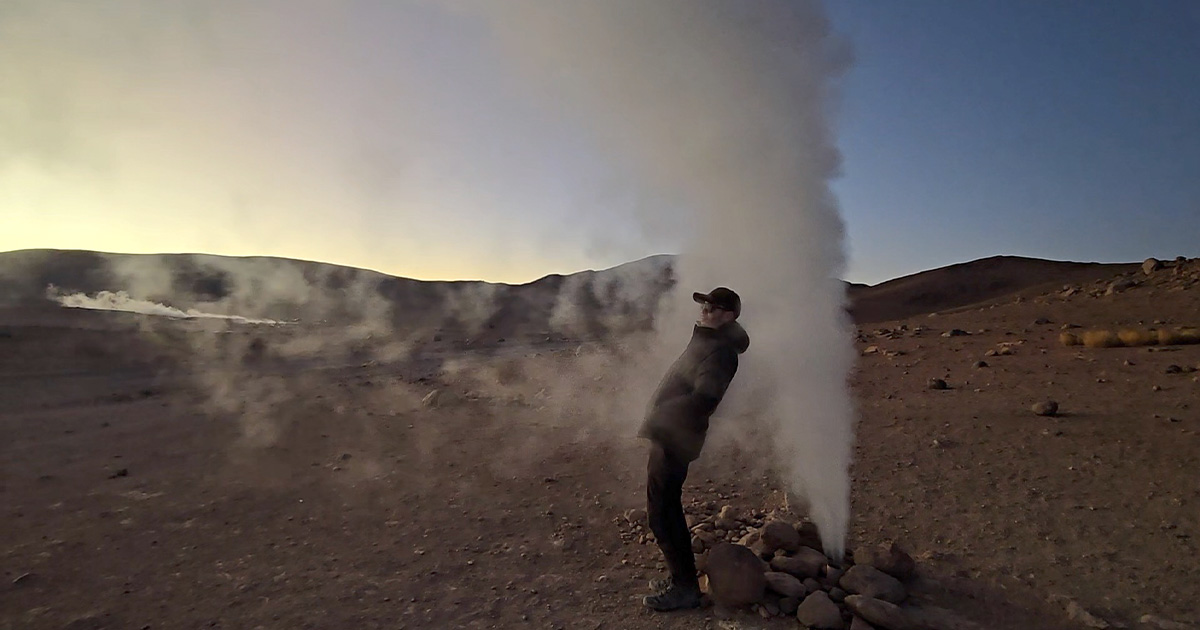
<point x="330" y="496"/>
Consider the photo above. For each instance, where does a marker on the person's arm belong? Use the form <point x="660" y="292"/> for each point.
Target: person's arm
<point x="713" y="378"/>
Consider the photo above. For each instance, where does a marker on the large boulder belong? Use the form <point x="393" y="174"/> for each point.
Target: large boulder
<point x="817" y="611"/>
<point x="858" y="623"/>
<point x="780" y="535"/>
<point x="881" y="614"/>
<point x="735" y="575"/>
<point x="864" y="579"/>
<point x="807" y="563"/>
<point x="891" y="559"/>
<point x="809" y="535"/>
<point x="784" y="584"/>
<point x="1151" y="265"/>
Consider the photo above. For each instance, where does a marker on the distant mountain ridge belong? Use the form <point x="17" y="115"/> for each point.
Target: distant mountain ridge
<point x="968" y="283"/>
<point x="585" y="303"/>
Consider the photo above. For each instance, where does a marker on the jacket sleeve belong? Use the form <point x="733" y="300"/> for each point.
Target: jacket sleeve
<point x="712" y="379"/>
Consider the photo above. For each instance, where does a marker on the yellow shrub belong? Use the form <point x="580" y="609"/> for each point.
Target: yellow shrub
<point x="1133" y="337"/>
<point x="1182" y="336"/>
<point x="1069" y="339"/>
<point x="1101" y="339"/>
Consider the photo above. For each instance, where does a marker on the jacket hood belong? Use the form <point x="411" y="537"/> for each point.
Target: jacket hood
<point x="737" y="335"/>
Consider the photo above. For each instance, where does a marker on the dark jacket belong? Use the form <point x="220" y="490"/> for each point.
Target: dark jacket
<point x="692" y="389"/>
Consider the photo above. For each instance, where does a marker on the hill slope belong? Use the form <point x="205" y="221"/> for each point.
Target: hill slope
<point x="587" y="303"/>
<point x="969" y="283"/>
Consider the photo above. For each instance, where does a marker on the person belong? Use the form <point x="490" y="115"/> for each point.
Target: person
<point x="676" y="424"/>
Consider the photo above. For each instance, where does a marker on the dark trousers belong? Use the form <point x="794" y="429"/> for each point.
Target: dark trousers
<point x="664" y="508"/>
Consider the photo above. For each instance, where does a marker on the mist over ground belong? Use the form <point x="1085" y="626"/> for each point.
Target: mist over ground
<point x="712" y="120"/>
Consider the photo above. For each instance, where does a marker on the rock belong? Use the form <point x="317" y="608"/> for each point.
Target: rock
<point x="727" y="519"/>
<point x="25" y="579"/>
<point x="788" y="606"/>
<point x="636" y="516"/>
<point x="1078" y="613"/>
<point x="780" y="535"/>
<point x="1159" y="622"/>
<point x="871" y="350"/>
<point x="770" y="607"/>
<point x="816" y="611"/>
<point x="880" y="613"/>
<point x="864" y="579"/>
<point x="811" y="585"/>
<point x="432" y="399"/>
<point x="858" y="623"/>
<point x="1042" y="321"/>
<point x="837" y="594"/>
<point x="123" y="472"/>
<point x="697" y="545"/>
<point x="735" y="575"/>
<point x="990" y="353"/>
<point x="1174" y="369"/>
<point x="892" y="560"/>
<point x="806" y="563"/>
<point x="1045" y="408"/>
<point x="1120" y="286"/>
<point x="90" y="622"/>
<point x="981" y="364"/>
<point x="809" y="535"/>
<point x="955" y="332"/>
<point x="937" y="383"/>
<point x="785" y="584"/>
<point x="833" y="575"/>
<point x="1151" y="265"/>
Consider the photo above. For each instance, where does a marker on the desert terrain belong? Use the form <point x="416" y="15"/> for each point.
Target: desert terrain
<point x="426" y="467"/>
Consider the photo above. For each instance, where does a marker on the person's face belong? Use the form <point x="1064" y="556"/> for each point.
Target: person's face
<point x="714" y="316"/>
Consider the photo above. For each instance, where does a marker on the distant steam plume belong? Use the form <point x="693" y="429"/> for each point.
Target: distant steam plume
<point x="121" y="301"/>
<point x="720" y="108"/>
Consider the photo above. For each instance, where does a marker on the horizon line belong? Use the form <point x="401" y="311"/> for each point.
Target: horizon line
<point x="544" y="276"/>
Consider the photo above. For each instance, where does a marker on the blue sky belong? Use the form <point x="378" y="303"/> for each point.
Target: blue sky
<point x="393" y="136"/>
<point x="1065" y="130"/>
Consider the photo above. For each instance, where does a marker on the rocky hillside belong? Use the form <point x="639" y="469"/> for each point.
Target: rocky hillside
<point x="584" y="304"/>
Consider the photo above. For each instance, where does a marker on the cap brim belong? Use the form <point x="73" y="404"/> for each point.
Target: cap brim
<point x="701" y="298"/>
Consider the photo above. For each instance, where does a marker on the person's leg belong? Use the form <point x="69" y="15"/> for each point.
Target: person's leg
<point x="664" y="502"/>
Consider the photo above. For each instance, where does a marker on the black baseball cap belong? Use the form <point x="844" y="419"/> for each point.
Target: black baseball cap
<point x="722" y="298"/>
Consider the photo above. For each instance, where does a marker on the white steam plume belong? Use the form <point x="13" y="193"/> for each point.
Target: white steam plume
<point x="121" y="301"/>
<point x="721" y="107"/>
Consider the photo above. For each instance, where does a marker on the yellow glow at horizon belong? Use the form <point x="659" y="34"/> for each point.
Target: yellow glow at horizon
<point x="38" y="211"/>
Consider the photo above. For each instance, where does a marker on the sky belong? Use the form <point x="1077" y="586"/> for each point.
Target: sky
<point x="398" y="136"/>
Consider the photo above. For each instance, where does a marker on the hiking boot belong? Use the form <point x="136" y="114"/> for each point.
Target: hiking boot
<point x="674" y="598"/>
<point x="661" y="585"/>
